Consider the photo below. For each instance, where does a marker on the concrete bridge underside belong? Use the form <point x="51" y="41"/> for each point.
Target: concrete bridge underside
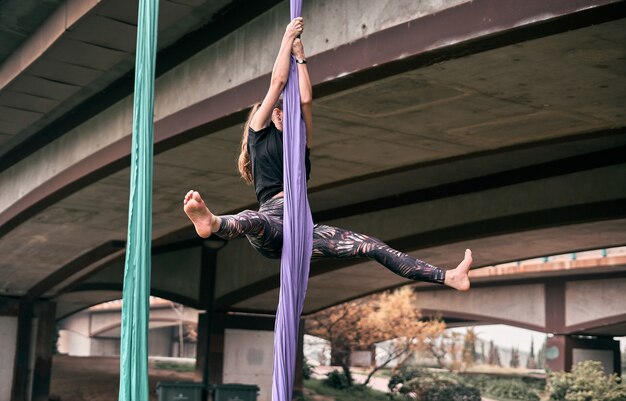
<point x="493" y="125"/>
<point x="486" y="138"/>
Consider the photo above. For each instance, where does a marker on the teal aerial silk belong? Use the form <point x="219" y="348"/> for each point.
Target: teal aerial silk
<point x="136" y="298"/>
<point x="297" y="237"/>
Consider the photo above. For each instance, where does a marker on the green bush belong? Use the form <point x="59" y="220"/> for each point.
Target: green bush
<point x="483" y="381"/>
<point x="512" y="389"/>
<point x="451" y="392"/>
<point x="336" y="379"/>
<point x="427" y="386"/>
<point x="175" y="366"/>
<point x="586" y="382"/>
<point x="354" y="393"/>
<point x="307" y="369"/>
<point x="402" y="376"/>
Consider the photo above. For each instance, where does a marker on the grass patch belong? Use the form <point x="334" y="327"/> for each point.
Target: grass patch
<point x="355" y="393"/>
<point x="174" y="366"/>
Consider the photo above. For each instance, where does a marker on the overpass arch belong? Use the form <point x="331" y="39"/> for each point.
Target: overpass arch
<point x="96" y="331"/>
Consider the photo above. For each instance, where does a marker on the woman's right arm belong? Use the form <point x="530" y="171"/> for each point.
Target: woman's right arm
<point x="280" y="73"/>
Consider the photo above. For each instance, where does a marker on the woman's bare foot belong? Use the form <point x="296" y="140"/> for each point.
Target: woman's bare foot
<point x="458" y="278"/>
<point x="204" y="221"/>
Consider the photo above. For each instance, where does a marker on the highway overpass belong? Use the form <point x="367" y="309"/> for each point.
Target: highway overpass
<point x="493" y="125"/>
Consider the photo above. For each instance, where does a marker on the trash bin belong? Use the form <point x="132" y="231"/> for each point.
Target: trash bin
<point x="179" y="391"/>
<point x="235" y="392"/>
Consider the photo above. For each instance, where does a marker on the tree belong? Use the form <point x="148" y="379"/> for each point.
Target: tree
<point x="496" y="356"/>
<point x="490" y="360"/>
<point x="514" y="358"/>
<point x="493" y="358"/>
<point x="438" y="347"/>
<point x="483" y="357"/>
<point x="541" y="356"/>
<point x="469" y="347"/>
<point x="455" y="351"/>
<point x="360" y="324"/>
<point x="531" y="363"/>
<point x="491" y="355"/>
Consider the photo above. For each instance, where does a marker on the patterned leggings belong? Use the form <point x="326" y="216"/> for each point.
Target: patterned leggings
<point x="264" y="230"/>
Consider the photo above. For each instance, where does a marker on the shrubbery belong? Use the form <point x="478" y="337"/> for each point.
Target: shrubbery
<point x="336" y="379"/>
<point x="427" y="386"/>
<point x="483" y="381"/>
<point x="354" y="393"/>
<point x="307" y="369"/>
<point x="451" y="392"/>
<point x="512" y="389"/>
<point x="586" y="382"/>
<point x="175" y="366"/>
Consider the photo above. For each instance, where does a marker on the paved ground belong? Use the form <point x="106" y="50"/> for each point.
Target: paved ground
<point x="97" y="379"/>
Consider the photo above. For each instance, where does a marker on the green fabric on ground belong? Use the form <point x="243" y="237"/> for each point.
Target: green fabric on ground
<point x="136" y="301"/>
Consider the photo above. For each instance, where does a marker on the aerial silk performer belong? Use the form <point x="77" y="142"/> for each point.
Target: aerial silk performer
<point x="136" y="296"/>
<point x="279" y="133"/>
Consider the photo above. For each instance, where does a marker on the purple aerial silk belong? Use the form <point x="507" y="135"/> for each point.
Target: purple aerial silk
<point x="297" y="237"/>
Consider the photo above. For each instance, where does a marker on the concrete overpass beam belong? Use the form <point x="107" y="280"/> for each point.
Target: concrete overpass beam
<point x="517" y="305"/>
<point x="595" y="303"/>
<point x="220" y="67"/>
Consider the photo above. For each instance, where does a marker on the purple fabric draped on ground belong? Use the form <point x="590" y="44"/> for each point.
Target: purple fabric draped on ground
<point x="297" y="237"/>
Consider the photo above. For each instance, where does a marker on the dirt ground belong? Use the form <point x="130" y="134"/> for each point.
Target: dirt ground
<point x="97" y="378"/>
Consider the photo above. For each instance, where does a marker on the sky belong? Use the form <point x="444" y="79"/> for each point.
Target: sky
<point x="506" y="337"/>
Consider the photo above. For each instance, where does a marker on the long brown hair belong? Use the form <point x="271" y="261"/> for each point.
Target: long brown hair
<point x="243" y="162"/>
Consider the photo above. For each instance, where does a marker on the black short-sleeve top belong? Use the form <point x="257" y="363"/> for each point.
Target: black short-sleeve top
<point x="265" y="148"/>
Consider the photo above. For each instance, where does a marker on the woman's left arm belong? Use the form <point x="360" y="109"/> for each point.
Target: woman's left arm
<point x="306" y="90"/>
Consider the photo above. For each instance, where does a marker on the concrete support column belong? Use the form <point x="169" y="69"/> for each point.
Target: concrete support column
<point x="210" y="347"/>
<point x="240" y="349"/>
<point x="555" y="307"/>
<point x="45" y="313"/>
<point x="23" y="349"/>
<point x="27" y="331"/>
<point x="9" y="310"/>
<point x="564" y="351"/>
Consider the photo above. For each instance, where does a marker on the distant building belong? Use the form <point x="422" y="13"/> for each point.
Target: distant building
<point x="96" y="331"/>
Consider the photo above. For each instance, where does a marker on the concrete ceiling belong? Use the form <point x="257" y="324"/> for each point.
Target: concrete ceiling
<point x="528" y="104"/>
<point x="19" y="19"/>
<point x="396" y="150"/>
<point x="82" y="51"/>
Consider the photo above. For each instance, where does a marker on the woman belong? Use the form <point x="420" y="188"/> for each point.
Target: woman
<point x="261" y="164"/>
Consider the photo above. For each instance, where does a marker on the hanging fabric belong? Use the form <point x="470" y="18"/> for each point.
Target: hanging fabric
<point x="136" y="295"/>
<point x="297" y="237"/>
